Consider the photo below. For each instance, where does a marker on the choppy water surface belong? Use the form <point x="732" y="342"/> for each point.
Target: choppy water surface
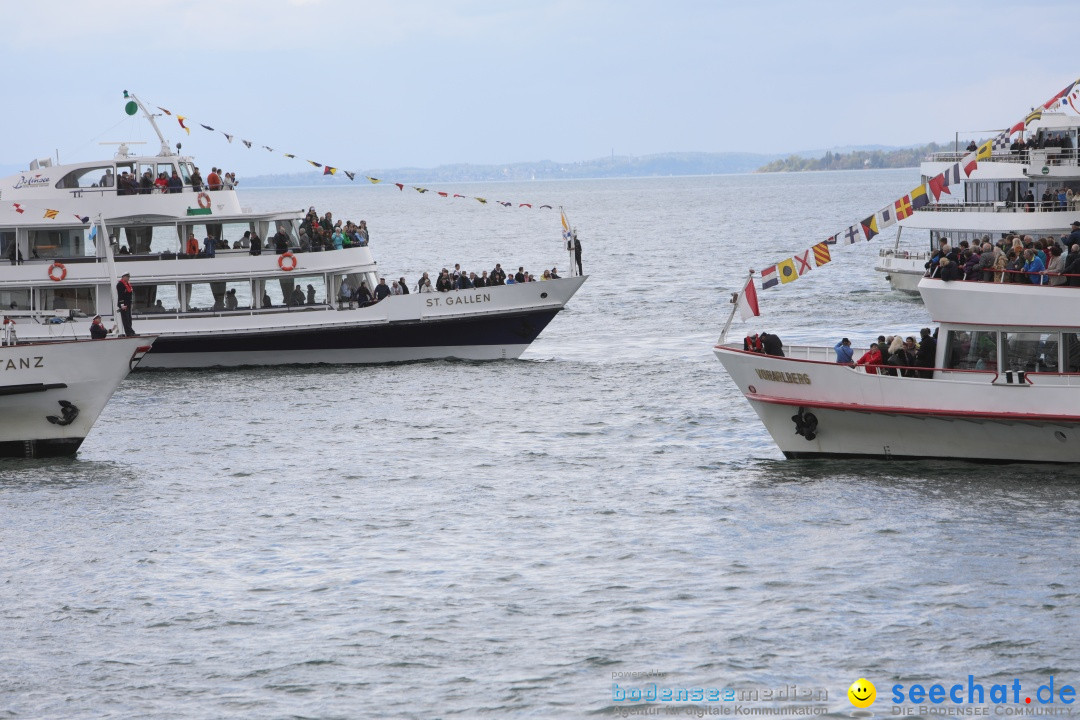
<point x="489" y="540"/>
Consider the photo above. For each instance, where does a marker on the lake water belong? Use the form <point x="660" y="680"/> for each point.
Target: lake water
<point x="460" y="540"/>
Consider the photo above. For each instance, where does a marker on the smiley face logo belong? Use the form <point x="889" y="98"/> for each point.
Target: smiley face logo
<point x="862" y="693"/>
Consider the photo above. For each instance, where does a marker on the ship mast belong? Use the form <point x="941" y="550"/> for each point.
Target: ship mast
<point x="153" y="123"/>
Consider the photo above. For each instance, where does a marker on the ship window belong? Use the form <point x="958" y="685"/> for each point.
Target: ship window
<point x="155" y="299"/>
<point x="52" y="244"/>
<point x="68" y="297"/>
<point x="974" y="350"/>
<point x="214" y="296"/>
<point x="15" y="299"/>
<point x="7" y="243"/>
<point x="1071" y="348"/>
<point x="1031" y="351"/>
<point x="87" y="178"/>
<point x="283" y="291"/>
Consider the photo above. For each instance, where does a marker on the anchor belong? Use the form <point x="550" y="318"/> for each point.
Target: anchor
<point x="805" y="424"/>
<point x="69" y="412"/>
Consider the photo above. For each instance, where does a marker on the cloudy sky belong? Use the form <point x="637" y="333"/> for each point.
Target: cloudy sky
<point x="367" y="84"/>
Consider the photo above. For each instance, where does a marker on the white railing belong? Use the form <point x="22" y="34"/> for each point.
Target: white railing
<point x="903" y="254"/>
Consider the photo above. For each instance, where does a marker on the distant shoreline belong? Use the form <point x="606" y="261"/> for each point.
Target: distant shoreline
<point x="649" y="166"/>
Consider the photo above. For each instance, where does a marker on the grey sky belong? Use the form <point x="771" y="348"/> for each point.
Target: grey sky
<point x="373" y="84"/>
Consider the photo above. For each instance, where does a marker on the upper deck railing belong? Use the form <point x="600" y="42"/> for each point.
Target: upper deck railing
<point x="1038" y="206"/>
<point x="1051" y="156"/>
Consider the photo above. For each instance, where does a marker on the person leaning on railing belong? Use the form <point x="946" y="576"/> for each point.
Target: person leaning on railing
<point x="1034" y="267"/>
<point x="1056" y="266"/>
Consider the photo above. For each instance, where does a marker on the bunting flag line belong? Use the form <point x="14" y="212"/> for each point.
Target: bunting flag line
<point x="938" y="186"/>
<point x="786" y="268"/>
<point x="919" y="198"/>
<point x="869" y="227"/>
<point x="952" y="174"/>
<point x="768" y="277"/>
<point x="885" y="218"/>
<point x="903" y="207"/>
<point x="1001" y="142"/>
<point x="821" y="254"/>
<point x="802" y="263"/>
<point x="229" y="137"/>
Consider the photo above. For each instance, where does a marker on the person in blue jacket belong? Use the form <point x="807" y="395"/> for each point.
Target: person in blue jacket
<point x="844" y="354"/>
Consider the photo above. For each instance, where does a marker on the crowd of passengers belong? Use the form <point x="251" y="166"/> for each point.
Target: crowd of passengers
<point x="316" y="235"/>
<point x="457" y="279"/>
<point x="1038" y="141"/>
<point x="1014" y="258"/>
<point x="130" y="184"/>
<point x="891" y="355"/>
<point x="1053" y="199"/>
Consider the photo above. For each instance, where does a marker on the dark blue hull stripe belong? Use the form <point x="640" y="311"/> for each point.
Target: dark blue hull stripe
<point x="517" y="329"/>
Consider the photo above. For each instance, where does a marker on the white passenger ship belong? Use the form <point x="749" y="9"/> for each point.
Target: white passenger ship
<point x="51" y="393"/>
<point x="51" y="219"/>
<point x="991" y="203"/>
<point x="1005" y="386"/>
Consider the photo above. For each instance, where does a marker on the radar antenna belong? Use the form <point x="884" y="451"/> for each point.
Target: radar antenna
<point x="122" y="149"/>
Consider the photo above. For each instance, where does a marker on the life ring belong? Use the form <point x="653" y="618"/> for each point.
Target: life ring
<point x="292" y="261"/>
<point x="204" y="200"/>
<point x="57" y="265"/>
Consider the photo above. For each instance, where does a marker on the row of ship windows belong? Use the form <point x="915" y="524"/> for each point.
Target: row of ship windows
<point x="197" y="297"/>
<point x="1028" y="351"/>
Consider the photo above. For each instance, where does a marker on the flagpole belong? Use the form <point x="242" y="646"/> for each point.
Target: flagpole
<point x="567" y="236"/>
<point x="110" y="263"/>
<point x="735" y="297"/>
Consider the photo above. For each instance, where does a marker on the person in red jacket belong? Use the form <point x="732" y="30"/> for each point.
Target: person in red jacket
<point x="871" y="359"/>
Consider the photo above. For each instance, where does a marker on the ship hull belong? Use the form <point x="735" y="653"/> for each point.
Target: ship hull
<point x="52" y="393"/>
<point x="500" y="337"/>
<point x="846" y="412"/>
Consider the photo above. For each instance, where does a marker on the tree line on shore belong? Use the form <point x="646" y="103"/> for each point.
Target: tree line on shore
<point x="858" y="159"/>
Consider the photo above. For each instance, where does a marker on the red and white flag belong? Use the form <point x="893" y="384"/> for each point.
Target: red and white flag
<point x="747" y="303"/>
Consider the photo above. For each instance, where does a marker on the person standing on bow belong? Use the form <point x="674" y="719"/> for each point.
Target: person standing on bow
<point x="577" y="253"/>
<point x="97" y="329"/>
<point x="124" y="293"/>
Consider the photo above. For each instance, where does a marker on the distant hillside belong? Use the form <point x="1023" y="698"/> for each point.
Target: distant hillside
<point x="662" y="165"/>
<point x="857" y="159"/>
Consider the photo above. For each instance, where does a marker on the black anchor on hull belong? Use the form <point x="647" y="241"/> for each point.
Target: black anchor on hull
<point x="805" y="424"/>
<point x="68" y="411"/>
